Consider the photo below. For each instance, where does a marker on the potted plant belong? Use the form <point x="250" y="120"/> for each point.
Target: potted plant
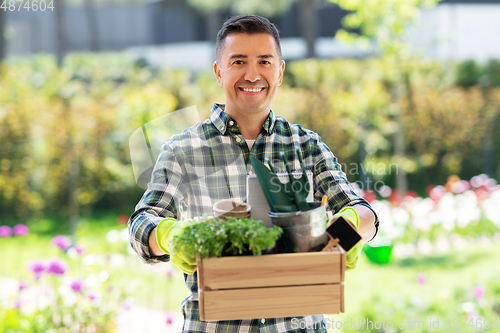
<point x="227" y="237"/>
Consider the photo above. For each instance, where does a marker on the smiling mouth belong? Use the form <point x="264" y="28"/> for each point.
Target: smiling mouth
<point x="254" y="90"/>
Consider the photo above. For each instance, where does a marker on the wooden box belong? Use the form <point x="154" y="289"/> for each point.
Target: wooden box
<point x="276" y="285"/>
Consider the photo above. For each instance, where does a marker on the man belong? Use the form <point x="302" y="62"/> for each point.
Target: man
<point x="249" y="68"/>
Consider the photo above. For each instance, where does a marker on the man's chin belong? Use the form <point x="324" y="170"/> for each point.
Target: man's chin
<point x="253" y="108"/>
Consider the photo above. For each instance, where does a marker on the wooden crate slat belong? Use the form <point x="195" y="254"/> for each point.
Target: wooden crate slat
<point x="272" y="302"/>
<point x="272" y="270"/>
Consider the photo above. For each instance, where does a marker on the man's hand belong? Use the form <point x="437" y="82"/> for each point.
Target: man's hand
<point x="154" y="249"/>
<point x="366" y="226"/>
<point x="351" y="215"/>
<point x="163" y="234"/>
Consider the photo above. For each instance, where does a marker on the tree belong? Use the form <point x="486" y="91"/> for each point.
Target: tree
<point x="387" y="21"/>
<point x="93" y="25"/>
<point x="59" y="33"/>
<point x="3" y="18"/>
<point x="308" y="23"/>
<point x="470" y="74"/>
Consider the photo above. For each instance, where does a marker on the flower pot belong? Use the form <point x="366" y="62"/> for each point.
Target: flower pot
<point x="378" y="254"/>
<point x="302" y="231"/>
<point x="231" y="208"/>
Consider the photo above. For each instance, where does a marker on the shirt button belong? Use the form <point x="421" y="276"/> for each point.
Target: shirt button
<point x="231" y="123"/>
<point x="238" y="140"/>
<point x="262" y="320"/>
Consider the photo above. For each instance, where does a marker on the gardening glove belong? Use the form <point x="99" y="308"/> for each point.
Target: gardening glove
<point x="166" y="230"/>
<point x="351" y="215"/>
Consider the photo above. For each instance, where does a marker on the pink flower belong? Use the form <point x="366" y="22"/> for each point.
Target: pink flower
<point x="57" y="266"/>
<point x="479" y="292"/>
<point x="22" y="285"/>
<point x="385" y="191"/>
<point x="61" y="242"/>
<point x="437" y="193"/>
<point x="170" y="319"/>
<point x="428" y="189"/>
<point x="5" y="231"/>
<point x="170" y="273"/>
<point x="37" y="267"/>
<point x="395" y="197"/>
<point x="21" y="230"/>
<point x="370" y="196"/>
<point x="77" y="285"/>
<point x="126" y="306"/>
<point x="472" y="314"/>
<point x="17" y="303"/>
<point x="91" y="296"/>
<point x="412" y="194"/>
<point x="420" y="278"/>
<point x="79" y="249"/>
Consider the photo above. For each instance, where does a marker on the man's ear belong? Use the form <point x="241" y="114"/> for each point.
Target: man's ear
<point x="217" y="73"/>
<point x="282" y="69"/>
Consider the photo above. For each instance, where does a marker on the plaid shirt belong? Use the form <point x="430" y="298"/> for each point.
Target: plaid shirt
<point x="209" y="162"/>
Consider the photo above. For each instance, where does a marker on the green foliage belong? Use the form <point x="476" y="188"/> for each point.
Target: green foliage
<point x="451" y="286"/>
<point x="83" y="297"/>
<point x="385" y="20"/>
<point x="219" y="236"/>
<point x="70" y="312"/>
<point x="115" y="281"/>
<point x="349" y="98"/>
<point x="55" y="122"/>
<point x="58" y="123"/>
<point x="423" y="288"/>
<point x="468" y="73"/>
<point x="459" y="309"/>
<point x="444" y="131"/>
<point x="492" y="72"/>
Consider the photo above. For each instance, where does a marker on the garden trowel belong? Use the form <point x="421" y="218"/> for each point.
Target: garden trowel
<point x="297" y="188"/>
<point x="272" y="187"/>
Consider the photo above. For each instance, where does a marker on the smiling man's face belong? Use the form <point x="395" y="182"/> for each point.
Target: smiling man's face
<point x="250" y="70"/>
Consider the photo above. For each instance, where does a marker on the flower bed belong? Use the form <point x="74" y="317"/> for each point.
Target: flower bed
<point x="451" y="216"/>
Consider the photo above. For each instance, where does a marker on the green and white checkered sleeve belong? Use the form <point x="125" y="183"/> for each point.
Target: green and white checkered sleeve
<point x="160" y="201"/>
<point x="331" y="181"/>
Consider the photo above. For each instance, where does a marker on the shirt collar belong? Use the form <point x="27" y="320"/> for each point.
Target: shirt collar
<point x="220" y="119"/>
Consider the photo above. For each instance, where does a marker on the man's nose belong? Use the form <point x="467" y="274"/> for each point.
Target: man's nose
<point x="252" y="73"/>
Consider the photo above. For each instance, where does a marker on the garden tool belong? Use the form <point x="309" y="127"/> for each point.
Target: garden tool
<point x="298" y="188"/>
<point x="272" y="187"/>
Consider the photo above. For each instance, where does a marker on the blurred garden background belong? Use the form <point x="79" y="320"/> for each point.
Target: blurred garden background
<point x="414" y="126"/>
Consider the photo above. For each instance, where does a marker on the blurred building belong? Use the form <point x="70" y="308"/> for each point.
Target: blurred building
<point x="459" y="29"/>
<point x="170" y="33"/>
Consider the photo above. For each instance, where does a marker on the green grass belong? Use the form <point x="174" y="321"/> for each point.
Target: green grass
<point x="391" y="283"/>
<point x="396" y="281"/>
<point x="155" y="289"/>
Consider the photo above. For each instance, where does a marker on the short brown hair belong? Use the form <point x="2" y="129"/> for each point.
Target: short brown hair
<point x="250" y="24"/>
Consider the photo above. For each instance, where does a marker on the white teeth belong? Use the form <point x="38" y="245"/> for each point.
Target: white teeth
<point x="251" y="90"/>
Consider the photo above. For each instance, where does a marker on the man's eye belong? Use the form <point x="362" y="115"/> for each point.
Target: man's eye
<point x="238" y="62"/>
<point x="265" y="62"/>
